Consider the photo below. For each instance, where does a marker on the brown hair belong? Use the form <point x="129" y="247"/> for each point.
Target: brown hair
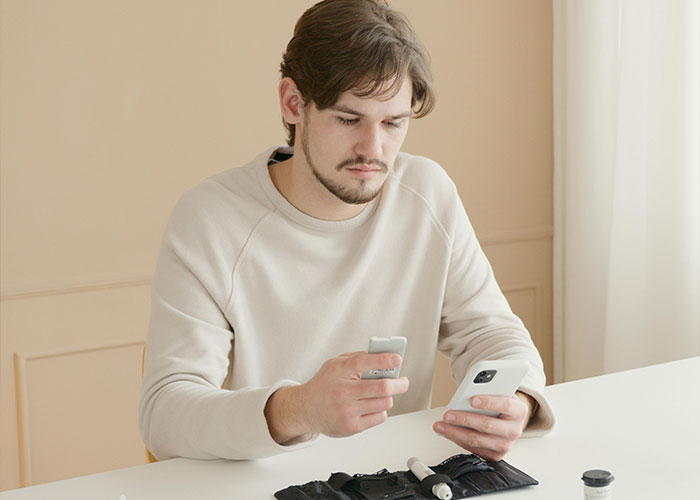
<point x="358" y="45"/>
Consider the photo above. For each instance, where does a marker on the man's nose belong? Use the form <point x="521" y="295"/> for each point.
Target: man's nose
<point x="369" y="144"/>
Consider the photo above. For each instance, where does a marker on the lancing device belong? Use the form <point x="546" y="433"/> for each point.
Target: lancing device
<point x="421" y="471"/>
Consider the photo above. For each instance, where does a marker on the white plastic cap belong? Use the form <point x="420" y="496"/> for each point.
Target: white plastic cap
<point x="442" y="491"/>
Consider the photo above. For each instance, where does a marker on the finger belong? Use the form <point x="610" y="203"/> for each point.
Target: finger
<point x="348" y="354"/>
<point x="361" y="362"/>
<point x="512" y="408"/>
<point x="473" y="440"/>
<point x="509" y="429"/>
<point x="374" y="405"/>
<point x="376" y="388"/>
<point x="372" y="419"/>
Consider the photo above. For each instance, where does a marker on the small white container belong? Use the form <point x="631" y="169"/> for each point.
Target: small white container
<point x="597" y="485"/>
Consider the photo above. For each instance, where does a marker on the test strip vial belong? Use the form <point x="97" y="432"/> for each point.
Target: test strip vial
<point x="597" y="485"/>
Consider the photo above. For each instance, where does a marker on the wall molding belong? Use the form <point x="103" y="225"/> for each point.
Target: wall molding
<point x="22" y="396"/>
<point x="516" y="236"/>
<point x="80" y="286"/>
<point x="537" y="287"/>
<point x="32" y="292"/>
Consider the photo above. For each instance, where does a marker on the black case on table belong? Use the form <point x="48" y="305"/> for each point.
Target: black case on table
<point x="468" y="476"/>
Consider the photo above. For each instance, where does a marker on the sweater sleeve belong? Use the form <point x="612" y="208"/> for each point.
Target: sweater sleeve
<point x="184" y="411"/>
<point x="477" y="322"/>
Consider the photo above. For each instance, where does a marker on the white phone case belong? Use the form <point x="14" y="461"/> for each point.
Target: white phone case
<point x="386" y="344"/>
<point x="500" y="377"/>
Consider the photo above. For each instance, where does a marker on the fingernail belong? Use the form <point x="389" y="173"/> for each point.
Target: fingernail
<point x="450" y="417"/>
<point x="440" y="429"/>
<point x="476" y="402"/>
<point x="395" y="360"/>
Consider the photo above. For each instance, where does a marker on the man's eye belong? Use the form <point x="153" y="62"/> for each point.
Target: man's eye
<point x="346" y="121"/>
<point x="394" y="123"/>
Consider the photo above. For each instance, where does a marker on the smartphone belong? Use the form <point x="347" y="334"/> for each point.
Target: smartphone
<point x="498" y="377"/>
<point x="386" y="344"/>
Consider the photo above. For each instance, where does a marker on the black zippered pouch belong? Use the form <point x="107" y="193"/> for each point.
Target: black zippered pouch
<point x="467" y="475"/>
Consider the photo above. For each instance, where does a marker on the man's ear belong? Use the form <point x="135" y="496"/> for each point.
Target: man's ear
<point x="291" y="102"/>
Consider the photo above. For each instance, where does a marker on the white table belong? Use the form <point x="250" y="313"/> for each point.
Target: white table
<point x="642" y="425"/>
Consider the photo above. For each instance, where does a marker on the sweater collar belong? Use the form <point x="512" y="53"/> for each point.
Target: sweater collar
<point x="291" y="212"/>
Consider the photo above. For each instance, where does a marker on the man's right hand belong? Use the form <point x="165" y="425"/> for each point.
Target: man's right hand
<point x="336" y="402"/>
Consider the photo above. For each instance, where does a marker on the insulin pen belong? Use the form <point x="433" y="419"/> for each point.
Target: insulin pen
<point x="421" y="471"/>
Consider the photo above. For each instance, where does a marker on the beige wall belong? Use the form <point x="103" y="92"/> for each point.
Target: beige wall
<point x="110" y="110"/>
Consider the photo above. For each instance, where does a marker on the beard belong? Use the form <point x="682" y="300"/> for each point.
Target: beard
<point x="353" y="195"/>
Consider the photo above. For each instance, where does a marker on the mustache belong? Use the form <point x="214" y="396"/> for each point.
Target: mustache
<point x="361" y="160"/>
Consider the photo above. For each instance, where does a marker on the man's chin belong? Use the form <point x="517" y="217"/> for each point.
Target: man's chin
<point x="357" y="196"/>
<point x="354" y="190"/>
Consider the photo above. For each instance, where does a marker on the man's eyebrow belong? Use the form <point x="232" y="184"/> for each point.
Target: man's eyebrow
<point x="350" y="111"/>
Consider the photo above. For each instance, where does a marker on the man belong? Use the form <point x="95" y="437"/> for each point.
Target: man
<point x="273" y="276"/>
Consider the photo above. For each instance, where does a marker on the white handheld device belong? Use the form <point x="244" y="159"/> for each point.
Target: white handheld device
<point x="500" y="377"/>
<point x="386" y="344"/>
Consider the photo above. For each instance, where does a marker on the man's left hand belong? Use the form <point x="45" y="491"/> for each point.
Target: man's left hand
<point x="489" y="437"/>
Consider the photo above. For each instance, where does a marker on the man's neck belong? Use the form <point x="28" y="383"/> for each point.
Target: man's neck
<point x="295" y="181"/>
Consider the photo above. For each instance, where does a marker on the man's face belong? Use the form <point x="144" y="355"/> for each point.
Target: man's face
<point x="351" y="146"/>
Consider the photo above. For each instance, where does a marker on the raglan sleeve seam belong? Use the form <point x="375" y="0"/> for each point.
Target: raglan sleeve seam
<point x="242" y="254"/>
<point x="444" y="234"/>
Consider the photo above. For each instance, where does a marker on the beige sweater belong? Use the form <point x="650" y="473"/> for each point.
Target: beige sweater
<point x="240" y="266"/>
